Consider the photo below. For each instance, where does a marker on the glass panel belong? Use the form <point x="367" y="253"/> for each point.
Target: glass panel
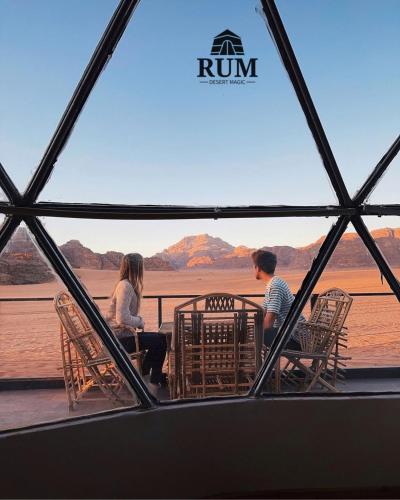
<point x="38" y="358"/>
<point x="386" y="233"/>
<point x="44" y="48"/>
<point x="184" y="259"/>
<point x="155" y="132"/>
<point x="387" y="192"/>
<point x="350" y="75"/>
<point x="358" y="336"/>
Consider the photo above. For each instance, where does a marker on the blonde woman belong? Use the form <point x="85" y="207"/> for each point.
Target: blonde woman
<point x="124" y="311"/>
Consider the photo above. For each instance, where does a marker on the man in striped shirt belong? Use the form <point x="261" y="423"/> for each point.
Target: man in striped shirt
<point x="278" y="298"/>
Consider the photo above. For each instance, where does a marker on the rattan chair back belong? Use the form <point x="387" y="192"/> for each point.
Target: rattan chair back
<point x="321" y="338"/>
<point x="86" y="363"/>
<point x="217" y="345"/>
<point x="331" y="309"/>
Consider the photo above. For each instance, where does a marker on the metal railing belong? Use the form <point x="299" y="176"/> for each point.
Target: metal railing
<point x="161" y="298"/>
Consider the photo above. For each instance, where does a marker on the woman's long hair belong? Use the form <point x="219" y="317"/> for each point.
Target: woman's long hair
<point x="131" y="269"/>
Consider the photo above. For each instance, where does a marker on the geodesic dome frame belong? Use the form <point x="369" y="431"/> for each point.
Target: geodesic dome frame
<point x="24" y="206"/>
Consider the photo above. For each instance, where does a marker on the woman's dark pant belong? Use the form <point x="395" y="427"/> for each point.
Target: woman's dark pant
<point x="155" y="345"/>
<point x="271" y="333"/>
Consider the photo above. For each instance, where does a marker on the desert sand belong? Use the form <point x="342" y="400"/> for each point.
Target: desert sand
<point x="29" y="331"/>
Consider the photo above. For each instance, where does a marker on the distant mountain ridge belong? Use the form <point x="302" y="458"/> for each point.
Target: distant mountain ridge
<point x="205" y="251"/>
<point x="21" y="263"/>
<point x="81" y="256"/>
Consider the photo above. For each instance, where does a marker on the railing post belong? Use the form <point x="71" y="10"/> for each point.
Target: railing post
<point x="159" y="301"/>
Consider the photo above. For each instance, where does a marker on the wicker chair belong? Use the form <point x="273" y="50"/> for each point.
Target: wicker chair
<point x="86" y="363"/>
<point x="331" y="310"/>
<point x="216" y="346"/>
<point x="321" y="338"/>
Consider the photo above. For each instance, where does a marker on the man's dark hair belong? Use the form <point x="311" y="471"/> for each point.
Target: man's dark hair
<point x="265" y="260"/>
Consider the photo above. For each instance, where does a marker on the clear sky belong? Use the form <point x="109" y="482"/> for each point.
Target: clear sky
<point x="152" y="133"/>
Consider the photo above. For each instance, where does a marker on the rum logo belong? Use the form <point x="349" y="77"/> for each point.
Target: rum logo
<point x="227" y="44"/>
<point x="237" y="69"/>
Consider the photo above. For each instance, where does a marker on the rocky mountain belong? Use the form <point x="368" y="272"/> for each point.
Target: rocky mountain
<point x="204" y="251"/>
<point x="157" y="264"/>
<point x="80" y="256"/>
<point x="351" y="251"/>
<point x="194" y="251"/>
<point x="21" y="262"/>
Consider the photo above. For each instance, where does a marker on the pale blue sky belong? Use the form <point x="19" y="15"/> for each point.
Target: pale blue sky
<point x="151" y="133"/>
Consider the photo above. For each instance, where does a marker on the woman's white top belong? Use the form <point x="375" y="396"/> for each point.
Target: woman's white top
<point x="124" y="306"/>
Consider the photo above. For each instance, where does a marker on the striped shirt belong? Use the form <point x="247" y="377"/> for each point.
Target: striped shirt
<point x="278" y="299"/>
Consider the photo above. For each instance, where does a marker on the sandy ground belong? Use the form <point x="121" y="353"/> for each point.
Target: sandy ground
<point x="29" y="331"/>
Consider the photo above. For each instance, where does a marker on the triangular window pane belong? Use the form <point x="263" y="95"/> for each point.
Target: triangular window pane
<point x="39" y="360"/>
<point x="154" y="132"/>
<point x="387" y="190"/>
<point x="386" y="233"/>
<point x="184" y="259"/>
<point x="350" y="75"/>
<point x="353" y="327"/>
<point x="44" y="49"/>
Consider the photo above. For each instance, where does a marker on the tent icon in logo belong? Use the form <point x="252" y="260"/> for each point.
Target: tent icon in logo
<point x="227" y="44"/>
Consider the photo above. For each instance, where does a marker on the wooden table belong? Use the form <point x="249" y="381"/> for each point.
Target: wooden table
<point x="166" y="327"/>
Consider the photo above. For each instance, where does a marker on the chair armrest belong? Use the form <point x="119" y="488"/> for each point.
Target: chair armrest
<point x="137" y="354"/>
<point x="115" y="327"/>
<point x="129" y="328"/>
